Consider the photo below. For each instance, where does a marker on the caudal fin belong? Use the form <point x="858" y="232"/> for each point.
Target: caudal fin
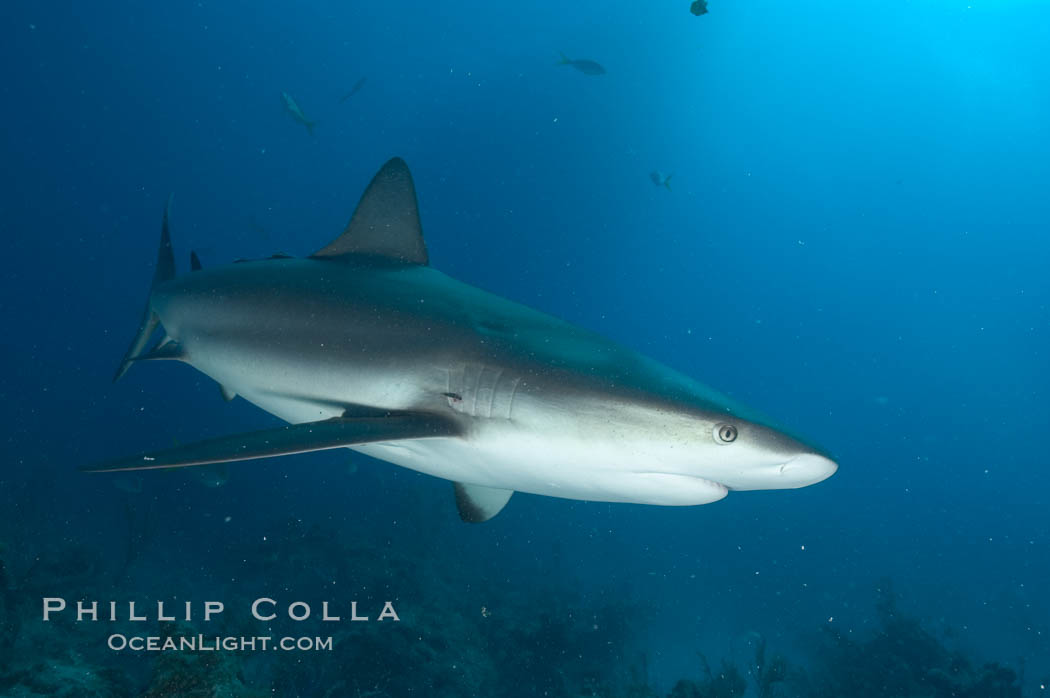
<point x="165" y="270"/>
<point x="565" y="60"/>
<point x="667" y="182"/>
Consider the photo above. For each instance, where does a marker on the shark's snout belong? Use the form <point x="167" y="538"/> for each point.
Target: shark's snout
<point x="807" y="469"/>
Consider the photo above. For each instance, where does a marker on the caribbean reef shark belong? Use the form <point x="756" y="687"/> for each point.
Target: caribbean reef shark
<point x="364" y="345"/>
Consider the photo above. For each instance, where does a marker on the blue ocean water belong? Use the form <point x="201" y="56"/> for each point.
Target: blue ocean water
<point x="855" y="242"/>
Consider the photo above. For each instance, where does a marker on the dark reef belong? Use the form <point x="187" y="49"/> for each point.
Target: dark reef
<point x="535" y="642"/>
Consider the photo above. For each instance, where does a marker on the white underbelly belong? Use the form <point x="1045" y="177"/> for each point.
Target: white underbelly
<point x="505" y="455"/>
<point x="569" y="472"/>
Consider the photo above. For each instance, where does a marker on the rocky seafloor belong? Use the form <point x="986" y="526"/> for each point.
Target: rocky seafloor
<point x="536" y="643"/>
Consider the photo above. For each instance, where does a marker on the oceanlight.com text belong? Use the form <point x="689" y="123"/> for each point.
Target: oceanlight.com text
<point x="216" y="643"/>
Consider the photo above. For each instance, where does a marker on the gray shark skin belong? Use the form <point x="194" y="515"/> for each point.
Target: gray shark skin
<point x="364" y="345"/>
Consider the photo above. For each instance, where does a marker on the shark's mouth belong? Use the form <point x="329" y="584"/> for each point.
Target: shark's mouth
<point x="676" y="488"/>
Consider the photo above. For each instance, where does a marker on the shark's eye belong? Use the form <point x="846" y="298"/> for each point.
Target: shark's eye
<point x="725" y="433"/>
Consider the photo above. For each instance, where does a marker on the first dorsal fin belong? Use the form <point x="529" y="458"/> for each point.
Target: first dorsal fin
<point x="386" y="221"/>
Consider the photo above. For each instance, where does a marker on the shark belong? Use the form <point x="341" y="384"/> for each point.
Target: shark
<point x="364" y="345"/>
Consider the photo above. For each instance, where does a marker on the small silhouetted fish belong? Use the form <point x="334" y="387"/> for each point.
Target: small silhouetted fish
<point x="297" y="113"/>
<point x="584" y="65"/>
<point x="353" y="90"/>
<point x="660" y="179"/>
<point x="699" y="7"/>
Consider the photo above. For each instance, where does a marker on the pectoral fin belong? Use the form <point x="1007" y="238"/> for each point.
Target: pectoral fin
<point x="287" y="440"/>
<point x="477" y="504"/>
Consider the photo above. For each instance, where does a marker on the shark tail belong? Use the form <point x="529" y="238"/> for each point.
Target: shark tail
<point x="667" y="182"/>
<point x="165" y="271"/>
<point x="565" y="60"/>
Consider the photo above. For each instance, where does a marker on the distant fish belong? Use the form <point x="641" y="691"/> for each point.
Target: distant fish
<point x="297" y="113"/>
<point x="353" y="90"/>
<point x="584" y="65"/>
<point x="660" y="179"/>
<point x="699" y="7"/>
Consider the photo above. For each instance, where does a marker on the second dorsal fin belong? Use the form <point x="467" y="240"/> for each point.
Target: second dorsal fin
<point x="386" y="221"/>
